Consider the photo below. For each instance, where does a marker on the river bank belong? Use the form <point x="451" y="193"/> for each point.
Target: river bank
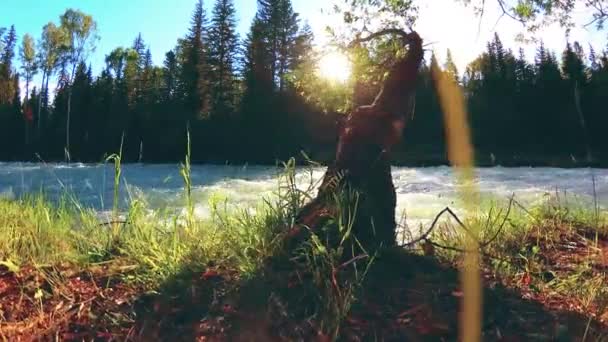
<point x="63" y="275"/>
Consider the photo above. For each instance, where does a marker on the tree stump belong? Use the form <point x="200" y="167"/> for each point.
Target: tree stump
<point x="362" y="162"/>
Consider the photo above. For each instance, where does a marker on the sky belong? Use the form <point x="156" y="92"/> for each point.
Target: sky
<point x="445" y="23"/>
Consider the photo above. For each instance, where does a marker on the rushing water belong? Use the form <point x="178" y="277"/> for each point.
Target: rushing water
<point x="421" y="192"/>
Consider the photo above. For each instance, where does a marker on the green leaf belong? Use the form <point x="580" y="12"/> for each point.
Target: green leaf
<point x="524" y="10"/>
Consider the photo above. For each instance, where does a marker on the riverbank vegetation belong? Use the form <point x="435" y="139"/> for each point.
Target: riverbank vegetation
<point x="302" y="266"/>
<point x="258" y="98"/>
<point x="66" y="274"/>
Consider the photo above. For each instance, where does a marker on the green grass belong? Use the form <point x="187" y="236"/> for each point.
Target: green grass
<point x="37" y="232"/>
<point x="528" y="249"/>
<point x="555" y="249"/>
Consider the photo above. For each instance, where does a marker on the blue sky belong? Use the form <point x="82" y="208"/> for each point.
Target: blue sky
<point x="119" y="21"/>
<point x="445" y="22"/>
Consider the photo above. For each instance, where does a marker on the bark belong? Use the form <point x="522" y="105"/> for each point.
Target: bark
<point x="27" y="97"/>
<point x="67" y="127"/>
<point x="69" y="114"/>
<point x="362" y="161"/>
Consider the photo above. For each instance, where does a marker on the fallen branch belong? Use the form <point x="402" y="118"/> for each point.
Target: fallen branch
<point x="425" y="235"/>
<point x="428" y="231"/>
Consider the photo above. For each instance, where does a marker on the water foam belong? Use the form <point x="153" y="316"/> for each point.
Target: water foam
<point x="421" y="192"/>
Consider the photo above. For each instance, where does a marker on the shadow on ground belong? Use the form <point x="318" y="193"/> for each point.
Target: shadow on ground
<point x="405" y="297"/>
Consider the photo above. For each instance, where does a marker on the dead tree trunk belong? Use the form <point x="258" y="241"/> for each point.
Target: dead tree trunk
<point x="362" y="162"/>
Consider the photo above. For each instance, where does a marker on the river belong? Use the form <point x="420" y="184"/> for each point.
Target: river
<point x="421" y="192"/>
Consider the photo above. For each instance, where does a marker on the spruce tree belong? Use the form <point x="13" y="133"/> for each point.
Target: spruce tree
<point x="256" y="105"/>
<point x="194" y="68"/>
<point x="7" y="84"/>
<point x="170" y="76"/>
<point x="223" y="49"/>
<point x="139" y="47"/>
<point x="450" y="66"/>
<point x="281" y="25"/>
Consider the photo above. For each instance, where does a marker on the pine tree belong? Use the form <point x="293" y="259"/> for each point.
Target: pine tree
<point x="139" y="47"/>
<point x="547" y="68"/>
<point x="194" y="68"/>
<point x="257" y="101"/>
<point x="147" y="79"/>
<point x="81" y="89"/>
<point x="281" y="25"/>
<point x="524" y="72"/>
<point x="288" y="37"/>
<point x="499" y="52"/>
<point x="8" y="53"/>
<point x="573" y="67"/>
<point x="223" y="49"/>
<point x="2" y="30"/>
<point x="450" y="67"/>
<point x="303" y="46"/>
<point x="593" y="60"/>
<point x="7" y="84"/>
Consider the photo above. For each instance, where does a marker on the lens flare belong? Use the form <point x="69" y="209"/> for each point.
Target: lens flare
<point x="334" y="66"/>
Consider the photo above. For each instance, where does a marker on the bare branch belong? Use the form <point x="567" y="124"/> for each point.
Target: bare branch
<point x="428" y="231"/>
<point x="425" y="235"/>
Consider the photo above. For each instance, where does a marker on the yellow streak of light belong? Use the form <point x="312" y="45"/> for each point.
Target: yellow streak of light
<point x="460" y="153"/>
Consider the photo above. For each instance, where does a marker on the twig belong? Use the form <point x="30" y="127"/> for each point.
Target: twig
<point x="462" y="225"/>
<point x="499" y="230"/>
<point x="482" y="244"/>
<point x="107" y="223"/>
<point x="507" y="13"/>
<point x="357" y="258"/>
<point x="428" y="231"/>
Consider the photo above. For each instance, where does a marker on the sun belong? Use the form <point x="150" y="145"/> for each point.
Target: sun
<point x="334" y="66"/>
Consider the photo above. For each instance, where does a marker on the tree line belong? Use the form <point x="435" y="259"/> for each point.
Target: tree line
<point x="549" y="111"/>
<point x="258" y="98"/>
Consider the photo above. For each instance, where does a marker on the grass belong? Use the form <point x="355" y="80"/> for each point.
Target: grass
<point x="160" y="275"/>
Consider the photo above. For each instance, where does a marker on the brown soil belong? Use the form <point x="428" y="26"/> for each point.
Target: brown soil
<point x="405" y="297"/>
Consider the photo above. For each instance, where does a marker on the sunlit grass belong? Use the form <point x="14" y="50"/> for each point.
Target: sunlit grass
<point x="151" y="247"/>
<point x="549" y="249"/>
<point x="38" y="232"/>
